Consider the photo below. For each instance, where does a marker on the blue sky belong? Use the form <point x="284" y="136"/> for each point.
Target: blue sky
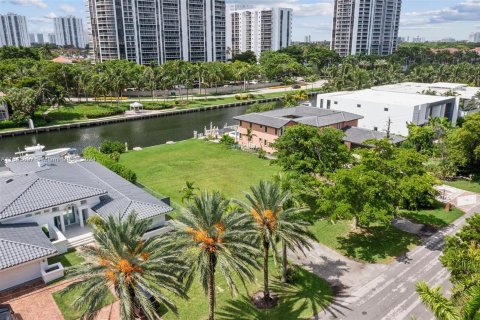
<point x="432" y="19"/>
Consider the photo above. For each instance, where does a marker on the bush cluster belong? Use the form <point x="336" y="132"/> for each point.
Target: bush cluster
<point x="93" y="154"/>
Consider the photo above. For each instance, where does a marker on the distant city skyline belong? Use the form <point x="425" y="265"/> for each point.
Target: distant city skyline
<point x="433" y="20"/>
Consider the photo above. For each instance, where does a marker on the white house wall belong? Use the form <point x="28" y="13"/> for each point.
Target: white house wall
<point x="20" y="274"/>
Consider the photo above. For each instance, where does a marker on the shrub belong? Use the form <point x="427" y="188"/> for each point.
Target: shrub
<point x="9" y="124"/>
<point x="227" y="140"/>
<point x="238" y="97"/>
<point x="109" y="147"/>
<point x="261" y="107"/>
<point x="93" y="154"/>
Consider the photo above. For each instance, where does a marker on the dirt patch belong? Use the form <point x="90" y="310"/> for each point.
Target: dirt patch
<point x="260" y="302"/>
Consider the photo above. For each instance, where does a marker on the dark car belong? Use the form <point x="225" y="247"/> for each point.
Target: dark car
<point x="296" y="86"/>
<point x="6" y="312"/>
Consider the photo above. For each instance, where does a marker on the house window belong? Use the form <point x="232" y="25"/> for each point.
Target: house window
<point x="321" y="103"/>
<point x="266" y="128"/>
<point x="28" y="215"/>
<point x="55" y="209"/>
<point x="336" y="102"/>
<point x="359" y="105"/>
<point x="261" y="126"/>
<point x="250" y="124"/>
<point x="240" y="123"/>
<point x="385" y="109"/>
<point x="375" y="128"/>
<point x="83" y="202"/>
<point x="45" y="211"/>
<point x="276" y="131"/>
<point x="37" y="213"/>
<point x="328" y="104"/>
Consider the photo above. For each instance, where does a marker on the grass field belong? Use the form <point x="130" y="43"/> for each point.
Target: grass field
<point x="378" y="244"/>
<point x="473" y="186"/>
<point x="67" y="259"/>
<point x="65" y="303"/>
<point x="436" y="217"/>
<point x="165" y="168"/>
<point x="301" y="300"/>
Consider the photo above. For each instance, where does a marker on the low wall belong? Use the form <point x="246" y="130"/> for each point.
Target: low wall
<point x="54" y="274"/>
<point x="61" y="243"/>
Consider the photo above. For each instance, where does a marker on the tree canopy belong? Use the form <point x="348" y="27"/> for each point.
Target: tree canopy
<point x="306" y="149"/>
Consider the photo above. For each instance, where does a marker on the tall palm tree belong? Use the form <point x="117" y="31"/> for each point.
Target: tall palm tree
<point x="137" y="270"/>
<point x="468" y="308"/>
<point x="274" y="222"/>
<point x="211" y="239"/>
<point x="303" y="235"/>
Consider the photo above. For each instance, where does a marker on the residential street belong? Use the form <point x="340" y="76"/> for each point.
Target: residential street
<point x="390" y="294"/>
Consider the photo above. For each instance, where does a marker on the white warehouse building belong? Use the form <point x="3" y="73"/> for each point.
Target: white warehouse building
<point x="379" y="108"/>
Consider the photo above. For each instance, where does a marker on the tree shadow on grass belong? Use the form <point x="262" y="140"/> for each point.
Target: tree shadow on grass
<point x="376" y="243"/>
<point x="429" y="219"/>
<point x="308" y="292"/>
<point x="243" y="308"/>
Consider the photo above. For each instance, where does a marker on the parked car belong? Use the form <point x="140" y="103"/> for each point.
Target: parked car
<point x="296" y="86"/>
<point x="6" y="312"/>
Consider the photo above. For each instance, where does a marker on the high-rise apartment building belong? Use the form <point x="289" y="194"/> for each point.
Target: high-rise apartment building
<point x="31" y="37"/>
<point x="474" y="37"/>
<point x="147" y="31"/>
<point x="69" y="31"/>
<point x="40" y="38"/>
<point x="51" y="38"/>
<point x="365" y="26"/>
<point x="13" y="30"/>
<point x="258" y="30"/>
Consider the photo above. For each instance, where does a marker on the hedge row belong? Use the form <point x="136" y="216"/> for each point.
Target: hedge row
<point x="93" y="154"/>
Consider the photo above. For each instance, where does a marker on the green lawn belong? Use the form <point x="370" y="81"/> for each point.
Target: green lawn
<point x="165" y="168"/>
<point x="301" y="300"/>
<point x="473" y="186"/>
<point x="436" y="217"/>
<point x="67" y="259"/>
<point x="65" y="302"/>
<point x="378" y="244"/>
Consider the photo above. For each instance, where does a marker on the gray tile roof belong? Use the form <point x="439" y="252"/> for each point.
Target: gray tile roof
<point x="118" y="196"/>
<point x="23" y="242"/>
<point x="360" y="135"/>
<point x="311" y="116"/>
<point x="29" y="193"/>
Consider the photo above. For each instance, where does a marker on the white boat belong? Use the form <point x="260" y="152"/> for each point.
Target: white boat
<point x="36" y="152"/>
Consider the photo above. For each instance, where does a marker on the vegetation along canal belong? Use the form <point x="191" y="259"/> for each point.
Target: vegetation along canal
<point x="140" y="133"/>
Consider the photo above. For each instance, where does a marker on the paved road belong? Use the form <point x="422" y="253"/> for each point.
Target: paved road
<point x="391" y="295"/>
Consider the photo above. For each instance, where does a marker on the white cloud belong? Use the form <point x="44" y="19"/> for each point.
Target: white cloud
<point x="50" y="15"/>
<point x="36" y="3"/>
<point x="468" y="10"/>
<point x="67" y="8"/>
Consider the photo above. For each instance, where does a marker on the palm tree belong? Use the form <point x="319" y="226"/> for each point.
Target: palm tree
<point x="137" y="270"/>
<point x="274" y="222"/>
<point x="188" y="191"/>
<point x="211" y="239"/>
<point x="450" y="309"/>
<point x="301" y="241"/>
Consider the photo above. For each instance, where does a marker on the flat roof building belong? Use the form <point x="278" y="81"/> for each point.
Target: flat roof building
<point x="390" y="110"/>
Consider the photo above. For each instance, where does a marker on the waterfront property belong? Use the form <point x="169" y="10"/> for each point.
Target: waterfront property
<point x="58" y="197"/>
<point x="260" y="130"/>
<point x="211" y="166"/>
<point x="382" y="110"/>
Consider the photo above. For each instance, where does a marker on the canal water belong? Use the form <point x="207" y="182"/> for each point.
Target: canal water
<point x="138" y="133"/>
